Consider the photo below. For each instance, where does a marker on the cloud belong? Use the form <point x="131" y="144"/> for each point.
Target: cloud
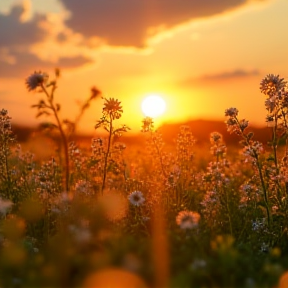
<point x="236" y="74"/>
<point x="22" y="43"/>
<point x="14" y="32"/>
<point x="27" y="63"/>
<point x="131" y="22"/>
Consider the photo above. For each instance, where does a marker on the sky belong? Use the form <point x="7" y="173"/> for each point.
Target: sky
<point x="201" y="57"/>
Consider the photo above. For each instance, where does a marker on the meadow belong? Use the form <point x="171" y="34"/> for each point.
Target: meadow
<point x="106" y="214"/>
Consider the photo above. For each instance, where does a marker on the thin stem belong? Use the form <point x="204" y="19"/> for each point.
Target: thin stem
<point x="259" y="168"/>
<point x="160" y="156"/>
<point x="107" y="152"/>
<point x="63" y="136"/>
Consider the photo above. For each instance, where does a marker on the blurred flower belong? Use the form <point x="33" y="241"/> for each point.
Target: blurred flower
<point x="215" y="137"/>
<point x="94" y="92"/>
<point x="187" y="219"/>
<point x="272" y="84"/>
<point x="136" y="198"/>
<point x="198" y="264"/>
<point x="35" y="80"/>
<point x="5" y="205"/>
<point x="114" y="204"/>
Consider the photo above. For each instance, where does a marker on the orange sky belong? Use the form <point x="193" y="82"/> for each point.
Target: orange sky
<point x="200" y="56"/>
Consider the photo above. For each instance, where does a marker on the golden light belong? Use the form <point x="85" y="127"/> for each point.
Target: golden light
<point x="153" y="106"/>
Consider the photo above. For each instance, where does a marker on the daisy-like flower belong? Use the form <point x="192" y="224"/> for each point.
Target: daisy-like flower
<point x="113" y="108"/>
<point x="187" y="219"/>
<point x="136" y="198"/>
<point x="272" y="84"/>
<point x="5" y="205"/>
<point x="35" y="80"/>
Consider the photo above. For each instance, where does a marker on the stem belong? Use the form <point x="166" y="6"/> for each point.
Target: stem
<point x="107" y="153"/>
<point x="160" y="157"/>
<point x="259" y="167"/>
<point x="228" y="210"/>
<point x="63" y="136"/>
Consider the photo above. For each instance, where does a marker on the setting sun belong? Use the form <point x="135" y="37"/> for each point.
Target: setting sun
<point x="153" y="106"/>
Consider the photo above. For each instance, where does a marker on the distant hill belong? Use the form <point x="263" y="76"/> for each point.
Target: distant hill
<point x="201" y="130"/>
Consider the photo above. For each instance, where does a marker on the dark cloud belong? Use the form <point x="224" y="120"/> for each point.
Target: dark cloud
<point x="236" y="74"/>
<point x="126" y="22"/>
<point x="28" y="63"/>
<point x="15" y="33"/>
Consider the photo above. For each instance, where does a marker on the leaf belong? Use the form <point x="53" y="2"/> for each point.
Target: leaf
<point x="49" y="125"/>
<point x="250" y="135"/>
<point x="43" y="112"/>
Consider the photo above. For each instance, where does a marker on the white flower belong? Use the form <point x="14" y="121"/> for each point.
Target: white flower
<point x="136" y="198"/>
<point x="5" y="205"/>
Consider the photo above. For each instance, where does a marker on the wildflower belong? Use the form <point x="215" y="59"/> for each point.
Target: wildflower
<point x="215" y="137"/>
<point x="243" y="124"/>
<point x="271" y="84"/>
<point x="3" y="112"/>
<point x="231" y="112"/>
<point x="147" y="124"/>
<point x="84" y="187"/>
<point x="258" y="225"/>
<point x="136" y="198"/>
<point x="187" y="219"/>
<point x="5" y="205"/>
<point x="113" y="108"/>
<point x="35" y="80"/>
<point x="256" y="148"/>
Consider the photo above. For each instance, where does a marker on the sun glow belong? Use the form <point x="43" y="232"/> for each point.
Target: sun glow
<point x="153" y="106"/>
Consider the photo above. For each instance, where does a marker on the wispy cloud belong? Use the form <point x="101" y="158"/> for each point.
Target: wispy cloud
<point x="26" y="61"/>
<point x="236" y="74"/>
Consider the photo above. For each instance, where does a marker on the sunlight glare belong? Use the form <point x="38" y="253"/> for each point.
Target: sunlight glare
<point x="153" y="106"/>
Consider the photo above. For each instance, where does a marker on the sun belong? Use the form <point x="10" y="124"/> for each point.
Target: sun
<point x="153" y="106"/>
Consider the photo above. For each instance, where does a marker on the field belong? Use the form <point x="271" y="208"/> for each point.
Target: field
<point x="108" y="213"/>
